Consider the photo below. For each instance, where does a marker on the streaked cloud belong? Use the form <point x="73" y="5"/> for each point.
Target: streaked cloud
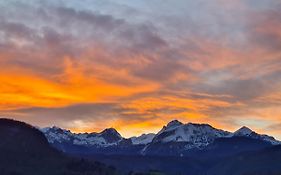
<point x="90" y="64"/>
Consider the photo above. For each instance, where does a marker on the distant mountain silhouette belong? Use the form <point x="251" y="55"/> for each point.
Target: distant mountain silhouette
<point x="24" y="150"/>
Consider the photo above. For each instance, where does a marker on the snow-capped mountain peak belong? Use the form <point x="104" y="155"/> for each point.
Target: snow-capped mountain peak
<point x="247" y="132"/>
<point x="174" y="123"/>
<point x="110" y="131"/>
<point x="110" y="135"/>
<point x="197" y="134"/>
<point x="170" y="126"/>
<point x="243" y="131"/>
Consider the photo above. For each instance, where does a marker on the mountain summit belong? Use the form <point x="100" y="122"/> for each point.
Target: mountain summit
<point x="175" y="137"/>
<point x="196" y="134"/>
<point x="110" y="135"/>
<point x="243" y="131"/>
<point x="247" y="132"/>
<point x="174" y="123"/>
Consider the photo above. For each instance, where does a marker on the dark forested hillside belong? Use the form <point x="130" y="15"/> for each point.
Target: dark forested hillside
<point x="263" y="162"/>
<point x="24" y="150"/>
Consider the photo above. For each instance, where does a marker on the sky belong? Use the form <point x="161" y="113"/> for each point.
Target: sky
<point x="86" y="65"/>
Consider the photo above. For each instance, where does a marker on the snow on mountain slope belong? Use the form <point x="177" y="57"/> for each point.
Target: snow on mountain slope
<point x="143" y="139"/>
<point x="197" y="134"/>
<point x="203" y="134"/>
<point x="247" y="132"/>
<point x="107" y="137"/>
<point x="56" y="134"/>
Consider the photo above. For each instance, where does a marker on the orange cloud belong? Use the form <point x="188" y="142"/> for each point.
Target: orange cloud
<point x="21" y="89"/>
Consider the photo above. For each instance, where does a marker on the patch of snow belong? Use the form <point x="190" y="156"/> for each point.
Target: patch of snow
<point x="143" y="139"/>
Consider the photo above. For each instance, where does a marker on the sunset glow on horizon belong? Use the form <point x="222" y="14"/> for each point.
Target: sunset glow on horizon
<point x="135" y="65"/>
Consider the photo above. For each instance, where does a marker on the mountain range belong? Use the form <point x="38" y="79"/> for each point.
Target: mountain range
<point x="174" y="139"/>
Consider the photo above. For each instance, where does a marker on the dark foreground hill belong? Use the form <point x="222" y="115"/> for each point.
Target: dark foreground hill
<point x="221" y="153"/>
<point x="24" y="150"/>
<point x="263" y="162"/>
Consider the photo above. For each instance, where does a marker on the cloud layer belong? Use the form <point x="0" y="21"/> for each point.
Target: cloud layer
<point x="135" y="65"/>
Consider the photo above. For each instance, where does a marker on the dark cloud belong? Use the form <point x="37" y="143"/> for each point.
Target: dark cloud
<point x="72" y="112"/>
<point x="13" y="29"/>
<point x="69" y="18"/>
<point x="58" y="115"/>
<point x="241" y="89"/>
<point x="91" y="112"/>
<point x="159" y="70"/>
